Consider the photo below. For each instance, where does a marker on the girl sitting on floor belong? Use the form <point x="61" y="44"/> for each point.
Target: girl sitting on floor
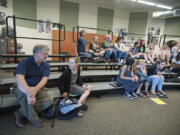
<point x="70" y="83"/>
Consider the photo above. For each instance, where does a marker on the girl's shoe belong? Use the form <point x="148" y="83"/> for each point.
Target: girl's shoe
<point x="162" y="94"/>
<point x="134" y="95"/>
<point x="147" y="94"/>
<point x="128" y="96"/>
<point x="141" y="95"/>
<point x="153" y="92"/>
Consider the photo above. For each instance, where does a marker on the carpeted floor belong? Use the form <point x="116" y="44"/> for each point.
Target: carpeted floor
<point x="110" y="115"/>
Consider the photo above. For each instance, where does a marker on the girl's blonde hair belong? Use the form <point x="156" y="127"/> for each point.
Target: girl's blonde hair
<point x="137" y="62"/>
<point x="76" y="59"/>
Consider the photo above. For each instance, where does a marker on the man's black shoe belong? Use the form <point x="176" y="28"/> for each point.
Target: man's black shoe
<point x="36" y="123"/>
<point x="19" y="119"/>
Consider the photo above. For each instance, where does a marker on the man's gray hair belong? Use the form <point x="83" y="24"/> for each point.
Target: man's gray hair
<point x="40" y="48"/>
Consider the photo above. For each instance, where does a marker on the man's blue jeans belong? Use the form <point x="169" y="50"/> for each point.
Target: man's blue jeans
<point x="108" y="53"/>
<point x="84" y="55"/>
<point x="121" y="54"/>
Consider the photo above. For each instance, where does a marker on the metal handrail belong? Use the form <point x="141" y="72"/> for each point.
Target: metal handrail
<point x="14" y="20"/>
<point x="78" y="27"/>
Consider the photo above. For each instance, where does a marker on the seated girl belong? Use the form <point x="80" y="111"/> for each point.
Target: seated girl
<point x="121" y="50"/>
<point x="127" y="79"/>
<point x="95" y="49"/>
<point x="150" y="53"/>
<point x="142" y="50"/>
<point x="155" y="73"/>
<point x="140" y="71"/>
<point x="165" y="53"/>
<point x="134" y="52"/>
<point x="175" y="49"/>
<point x="176" y="64"/>
<point x="70" y="83"/>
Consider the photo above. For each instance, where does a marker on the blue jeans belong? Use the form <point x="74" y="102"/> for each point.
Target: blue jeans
<point x="156" y="81"/>
<point x="127" y="91"/>
<point x="108" y="53"/>
<point x="142" y="77"/>
<point x="121" y="54"/>
<point x="84" y="55"/>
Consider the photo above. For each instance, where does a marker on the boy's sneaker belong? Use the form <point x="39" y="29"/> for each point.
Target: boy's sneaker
<point x="134" y="95"/>
<point x="128" y="96"/>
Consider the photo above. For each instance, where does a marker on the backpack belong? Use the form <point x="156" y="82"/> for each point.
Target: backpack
<point x="98" y="60"/>
<point x="67" y="105"/>
<point x="63" y="109"/>
<point x="150" y="69"/>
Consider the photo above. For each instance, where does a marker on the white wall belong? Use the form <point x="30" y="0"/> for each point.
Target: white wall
<point x="28" y="44"/>
<point x="48" y="10"/>
<point x="88" y="16"/>
<point x="121" y="20"/>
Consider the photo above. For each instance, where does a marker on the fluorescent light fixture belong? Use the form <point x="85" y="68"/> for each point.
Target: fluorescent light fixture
<point x="147" y="3"/>
<point x="133" y="0"/>
<point x="157" y="14"/>
<point x="162" y="6"/>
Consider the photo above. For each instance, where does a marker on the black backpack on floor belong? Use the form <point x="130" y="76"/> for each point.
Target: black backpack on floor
<point x="63" y="109"/>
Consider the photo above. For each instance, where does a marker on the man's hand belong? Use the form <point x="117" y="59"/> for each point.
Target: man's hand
<point x="31" y="91"/>
<point x="31" y="100"/>
<point x="65" y="94"/>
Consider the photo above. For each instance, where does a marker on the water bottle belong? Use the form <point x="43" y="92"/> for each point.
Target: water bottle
<point x="112" y="81"/>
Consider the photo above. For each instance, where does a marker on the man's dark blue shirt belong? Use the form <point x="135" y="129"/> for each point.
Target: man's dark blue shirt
<point x="81" y="45"/>
<point x="31" y="71"/>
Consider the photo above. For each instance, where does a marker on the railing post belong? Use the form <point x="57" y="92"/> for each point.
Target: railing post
<point x="15" y="40"/>
<point x="164" y="39"/>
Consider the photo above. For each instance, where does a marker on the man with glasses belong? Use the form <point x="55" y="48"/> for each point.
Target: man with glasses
<point x="31" y="76"/>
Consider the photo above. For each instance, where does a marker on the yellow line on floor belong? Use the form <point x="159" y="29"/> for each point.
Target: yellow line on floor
<point x="158" y="101"/>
